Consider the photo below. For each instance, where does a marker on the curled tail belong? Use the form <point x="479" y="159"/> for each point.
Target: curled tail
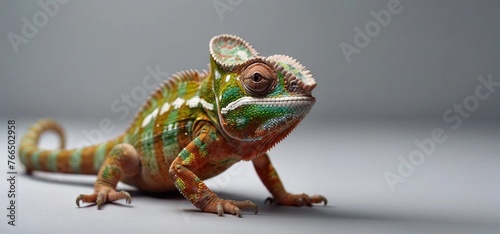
<point x="86" y="160"/>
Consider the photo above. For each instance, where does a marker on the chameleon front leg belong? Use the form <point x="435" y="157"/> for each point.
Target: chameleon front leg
<point x="192" y="158"/>
<point x="271" y="180"/>
<point x="123" y="160"/>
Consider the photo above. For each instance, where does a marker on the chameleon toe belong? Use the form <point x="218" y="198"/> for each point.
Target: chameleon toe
<point x="78" y="199"/>
<point x="83" y="198"/>
<point x="221" y="206"/>
<point x="102" y="195"/>
<point x="128" y="198"/>
<point x="298" y="200"/>
<point x="101" y="198"/>
<point x="320" y="199"/>
<point x="237" y="212"/>
<point x="220" y="210"/>
<point x="269" y="200"/>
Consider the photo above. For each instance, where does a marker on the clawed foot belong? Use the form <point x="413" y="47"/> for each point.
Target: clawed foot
<point x="102" y="196"/>
<point x="297" y="200"/>
<point x="221" y="206"/>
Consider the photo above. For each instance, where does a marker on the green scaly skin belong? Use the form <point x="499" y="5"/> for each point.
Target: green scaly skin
<point x="195" y="126"/>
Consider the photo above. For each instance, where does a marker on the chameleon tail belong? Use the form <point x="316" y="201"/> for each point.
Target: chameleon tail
<point x="86" y="160"/>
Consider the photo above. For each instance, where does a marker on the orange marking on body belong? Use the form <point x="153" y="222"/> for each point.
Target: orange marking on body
<point x="43" y="160"/>
<point x="63" y="161"/>
<point x="87" y="162"/>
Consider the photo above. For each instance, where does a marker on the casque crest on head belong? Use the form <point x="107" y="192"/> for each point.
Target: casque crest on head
<point x="231" y="53"/>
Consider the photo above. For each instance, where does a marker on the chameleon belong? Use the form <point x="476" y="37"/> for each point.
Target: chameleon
<point x="192" y="128"/>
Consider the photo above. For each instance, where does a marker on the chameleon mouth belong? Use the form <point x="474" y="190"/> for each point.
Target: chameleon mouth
<point x="297" y="101"/>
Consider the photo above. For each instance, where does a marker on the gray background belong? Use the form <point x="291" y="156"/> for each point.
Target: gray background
<point x="369" y="111"/>
<point x="426" y="59"/>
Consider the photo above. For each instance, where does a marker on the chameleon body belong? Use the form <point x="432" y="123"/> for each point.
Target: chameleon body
<point x="195" y="126"/>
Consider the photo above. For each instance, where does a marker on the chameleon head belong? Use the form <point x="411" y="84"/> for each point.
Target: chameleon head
<point x="258" y="98"/>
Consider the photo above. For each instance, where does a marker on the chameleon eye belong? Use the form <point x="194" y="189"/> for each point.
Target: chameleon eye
<point x="258" y="79"/>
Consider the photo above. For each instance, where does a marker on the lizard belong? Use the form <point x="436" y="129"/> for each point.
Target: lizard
<point x="193" y="127"/>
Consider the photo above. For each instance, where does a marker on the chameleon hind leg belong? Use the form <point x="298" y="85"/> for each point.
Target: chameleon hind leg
<point x="122" y="161"/>
<point x="271" y="180"/>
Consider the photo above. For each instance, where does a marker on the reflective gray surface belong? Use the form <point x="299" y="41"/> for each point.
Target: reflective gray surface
<point x="455" y="190"/>
<point x="91" y="53"/>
